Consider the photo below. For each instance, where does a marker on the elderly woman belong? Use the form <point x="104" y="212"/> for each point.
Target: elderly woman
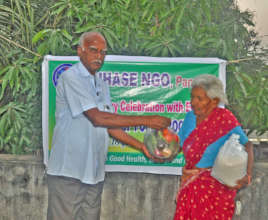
<point x="204" y="131"/>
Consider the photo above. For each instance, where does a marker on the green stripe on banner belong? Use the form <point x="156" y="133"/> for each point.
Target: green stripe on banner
<point x="137" y="159"/>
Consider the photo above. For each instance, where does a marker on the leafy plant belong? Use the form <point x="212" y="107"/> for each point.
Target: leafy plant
<point x="248" y="94"/>
<point x="20" y="78"/>
<point x="13" y="137"/>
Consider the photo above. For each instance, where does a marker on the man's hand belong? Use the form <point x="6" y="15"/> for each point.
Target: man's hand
<point x="151" y="157"/>
<point x="158" y="122"/>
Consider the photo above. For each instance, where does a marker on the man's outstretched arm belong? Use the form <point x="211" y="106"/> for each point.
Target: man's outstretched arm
<point x="111" y="120"/>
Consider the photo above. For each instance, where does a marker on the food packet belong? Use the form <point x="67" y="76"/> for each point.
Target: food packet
<point x="162" y="144"/>
<point x="231" y="162"/>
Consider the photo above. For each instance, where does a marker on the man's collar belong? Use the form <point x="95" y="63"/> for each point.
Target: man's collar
<point x="83" y="70"/>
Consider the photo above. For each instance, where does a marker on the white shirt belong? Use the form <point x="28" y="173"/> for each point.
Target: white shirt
<point x="79" y="149"/>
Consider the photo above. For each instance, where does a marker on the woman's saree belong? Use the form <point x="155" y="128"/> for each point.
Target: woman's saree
<point x="201" y="197"/>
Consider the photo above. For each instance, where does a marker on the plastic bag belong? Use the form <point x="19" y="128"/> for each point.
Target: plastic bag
<point x="162" y="144"/>
<point x="231" y="162"/>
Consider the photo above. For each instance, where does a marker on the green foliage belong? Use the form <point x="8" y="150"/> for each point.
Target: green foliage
<point x="53" y="41"/>
<point x="13" y="136"/>
<point x="31" y="29"/>
<point x="19" y="75"/>
<point x="248" y="94"/>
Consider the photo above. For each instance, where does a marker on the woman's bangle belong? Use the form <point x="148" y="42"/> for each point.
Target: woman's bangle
<point x="249" y="179"/>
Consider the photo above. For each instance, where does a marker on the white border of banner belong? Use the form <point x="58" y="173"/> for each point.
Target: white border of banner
<point x="122" y="168"/>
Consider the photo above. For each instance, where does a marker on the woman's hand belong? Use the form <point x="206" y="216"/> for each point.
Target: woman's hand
<point x="186" y="174"/>
<point x="245" y="181"/>
<point x="189" y="171"/>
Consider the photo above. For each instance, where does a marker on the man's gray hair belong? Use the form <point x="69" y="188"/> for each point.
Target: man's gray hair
<point x="87" y="34"/>
<point x="212" y="85"/>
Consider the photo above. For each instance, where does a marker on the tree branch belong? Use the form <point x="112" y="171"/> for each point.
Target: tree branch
<point x="18" y="45"/>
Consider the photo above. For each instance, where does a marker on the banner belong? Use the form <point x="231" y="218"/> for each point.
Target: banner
<point x="138" y="86"/>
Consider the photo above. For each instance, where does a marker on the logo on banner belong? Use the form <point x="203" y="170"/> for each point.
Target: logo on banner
<point x="59" y="70"/>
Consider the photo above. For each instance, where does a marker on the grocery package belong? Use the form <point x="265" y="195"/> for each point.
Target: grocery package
<point x="163" y="144"/>
<point x="231" y="162"/>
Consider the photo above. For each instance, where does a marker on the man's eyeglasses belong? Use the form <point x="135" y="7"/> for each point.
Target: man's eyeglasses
<point x="94" y="50"/>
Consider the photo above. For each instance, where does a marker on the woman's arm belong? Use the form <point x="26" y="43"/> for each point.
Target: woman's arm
<point x="246" y="180"/>
<point x="249" y="149"/>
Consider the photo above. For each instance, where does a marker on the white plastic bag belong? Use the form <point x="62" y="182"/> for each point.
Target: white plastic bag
<point x="231" y="162"/>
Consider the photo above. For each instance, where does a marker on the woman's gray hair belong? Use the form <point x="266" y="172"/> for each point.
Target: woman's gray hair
<point x="212" y="85"/>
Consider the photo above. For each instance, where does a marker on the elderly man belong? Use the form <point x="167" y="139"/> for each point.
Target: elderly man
<point x="84" y="122"/>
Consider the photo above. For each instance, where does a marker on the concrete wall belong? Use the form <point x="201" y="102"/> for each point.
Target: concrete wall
<point x="131" y="196"/>
<point x="136" y="196"/>
<point x="23" y="192"/>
